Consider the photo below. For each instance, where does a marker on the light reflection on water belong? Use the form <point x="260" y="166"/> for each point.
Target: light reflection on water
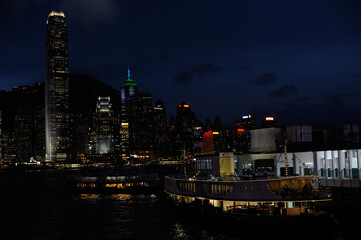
<point x="97" y="197"/>
<point x="121" y="197"/>
<point x="178" y="231"/>
<point x="43" y="209"/>
<point x="90" y="197"/>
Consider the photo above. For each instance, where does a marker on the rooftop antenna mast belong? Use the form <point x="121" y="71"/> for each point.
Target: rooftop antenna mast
<point x="128" y="73"/>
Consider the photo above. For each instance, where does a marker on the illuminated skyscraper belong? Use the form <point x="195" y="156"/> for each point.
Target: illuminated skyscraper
<point x="140" y="113"/>
<point x="207" y="144"/>
<point x="160" y="130"/>
<point x="128" y="89"/>
<point x="269" y="122"/>
<point x="104" y="126"/>
<point x="243" y="137"/>
<point x="185" y="128"/>
<point x="56" y="88"/>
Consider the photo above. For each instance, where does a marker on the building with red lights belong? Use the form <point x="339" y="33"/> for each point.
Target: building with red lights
<point x="207" y="144"/>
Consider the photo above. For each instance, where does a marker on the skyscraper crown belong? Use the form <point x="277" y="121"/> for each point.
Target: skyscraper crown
<point x="129" y="82"/>
<point x="56" y="13"/>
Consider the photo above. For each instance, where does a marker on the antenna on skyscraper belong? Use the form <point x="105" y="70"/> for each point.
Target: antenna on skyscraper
<point x="128" y="73"/>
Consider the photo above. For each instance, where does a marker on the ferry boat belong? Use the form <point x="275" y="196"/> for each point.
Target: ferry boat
<point x="114" y="183"/>
<point x="283" y="196"/>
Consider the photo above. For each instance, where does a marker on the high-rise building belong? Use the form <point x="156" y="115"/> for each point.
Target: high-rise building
<point x="243" y="137"/>
<point x="104" y="119"/>
<point x="198" y="137"/>
<point x="81" y="125"/>
<point x="185" y="129"/>
<point x="160" y="129"/>
<point x="141" y="126"/>
<point x="269" y="122"/>
<point x="207" y="144"/>
<point x="24" y="133"/>
<point x="57" y="119"/>
<point x="23" y="123"/>
<point x="219" y="143"/>
<point x="128" y="89"/>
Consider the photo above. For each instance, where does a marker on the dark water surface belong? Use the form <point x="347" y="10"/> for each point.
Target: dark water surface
<point x="37" y="205"/>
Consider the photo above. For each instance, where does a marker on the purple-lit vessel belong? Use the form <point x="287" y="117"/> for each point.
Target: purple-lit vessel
<point x="295" y="195"/>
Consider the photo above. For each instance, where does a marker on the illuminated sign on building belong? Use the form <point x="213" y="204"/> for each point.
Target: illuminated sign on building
<point x="246" y="117"/>
<point x="184" y="105"/>
<point x="215" y="133"/>
<point x="269" y="118"/>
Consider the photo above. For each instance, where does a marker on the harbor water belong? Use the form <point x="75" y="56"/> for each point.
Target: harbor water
<point x="38" y="205"/>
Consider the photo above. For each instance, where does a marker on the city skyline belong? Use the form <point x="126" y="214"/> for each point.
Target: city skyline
<point x="297" y="62"/>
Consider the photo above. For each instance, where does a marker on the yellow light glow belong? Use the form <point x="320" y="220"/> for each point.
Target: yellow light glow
<point x="56" y="13"/>
<point x="185" y="105"/>
<point x="215" y="133"/>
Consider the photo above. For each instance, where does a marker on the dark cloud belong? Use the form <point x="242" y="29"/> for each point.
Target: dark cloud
<point x="284" y="91"/>
<point x="199" y="70"/>
<point x="264" y="80"/>
<point x="242" y="67"/>
<point x="203" y="69"/>
<point x="337" y="98"/>
<point x="183" y="77"/>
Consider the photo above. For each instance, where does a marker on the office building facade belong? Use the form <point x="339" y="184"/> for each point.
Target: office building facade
<point x="57" y="120"/>
<point x="104" y="119"/>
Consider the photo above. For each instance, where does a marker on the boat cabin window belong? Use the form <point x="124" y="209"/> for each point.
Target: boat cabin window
<point x="221" y="188"/>
<point x="187" y="186"/>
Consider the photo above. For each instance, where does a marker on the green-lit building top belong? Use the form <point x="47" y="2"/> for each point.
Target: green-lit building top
<point x="129" y="82"/>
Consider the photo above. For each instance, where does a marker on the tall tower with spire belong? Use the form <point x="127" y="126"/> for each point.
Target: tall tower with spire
<point x="128" y="89"/>
<point x="57" y="88"/>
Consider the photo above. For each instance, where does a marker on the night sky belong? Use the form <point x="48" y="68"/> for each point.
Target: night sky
<point x="299" y="61"/>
